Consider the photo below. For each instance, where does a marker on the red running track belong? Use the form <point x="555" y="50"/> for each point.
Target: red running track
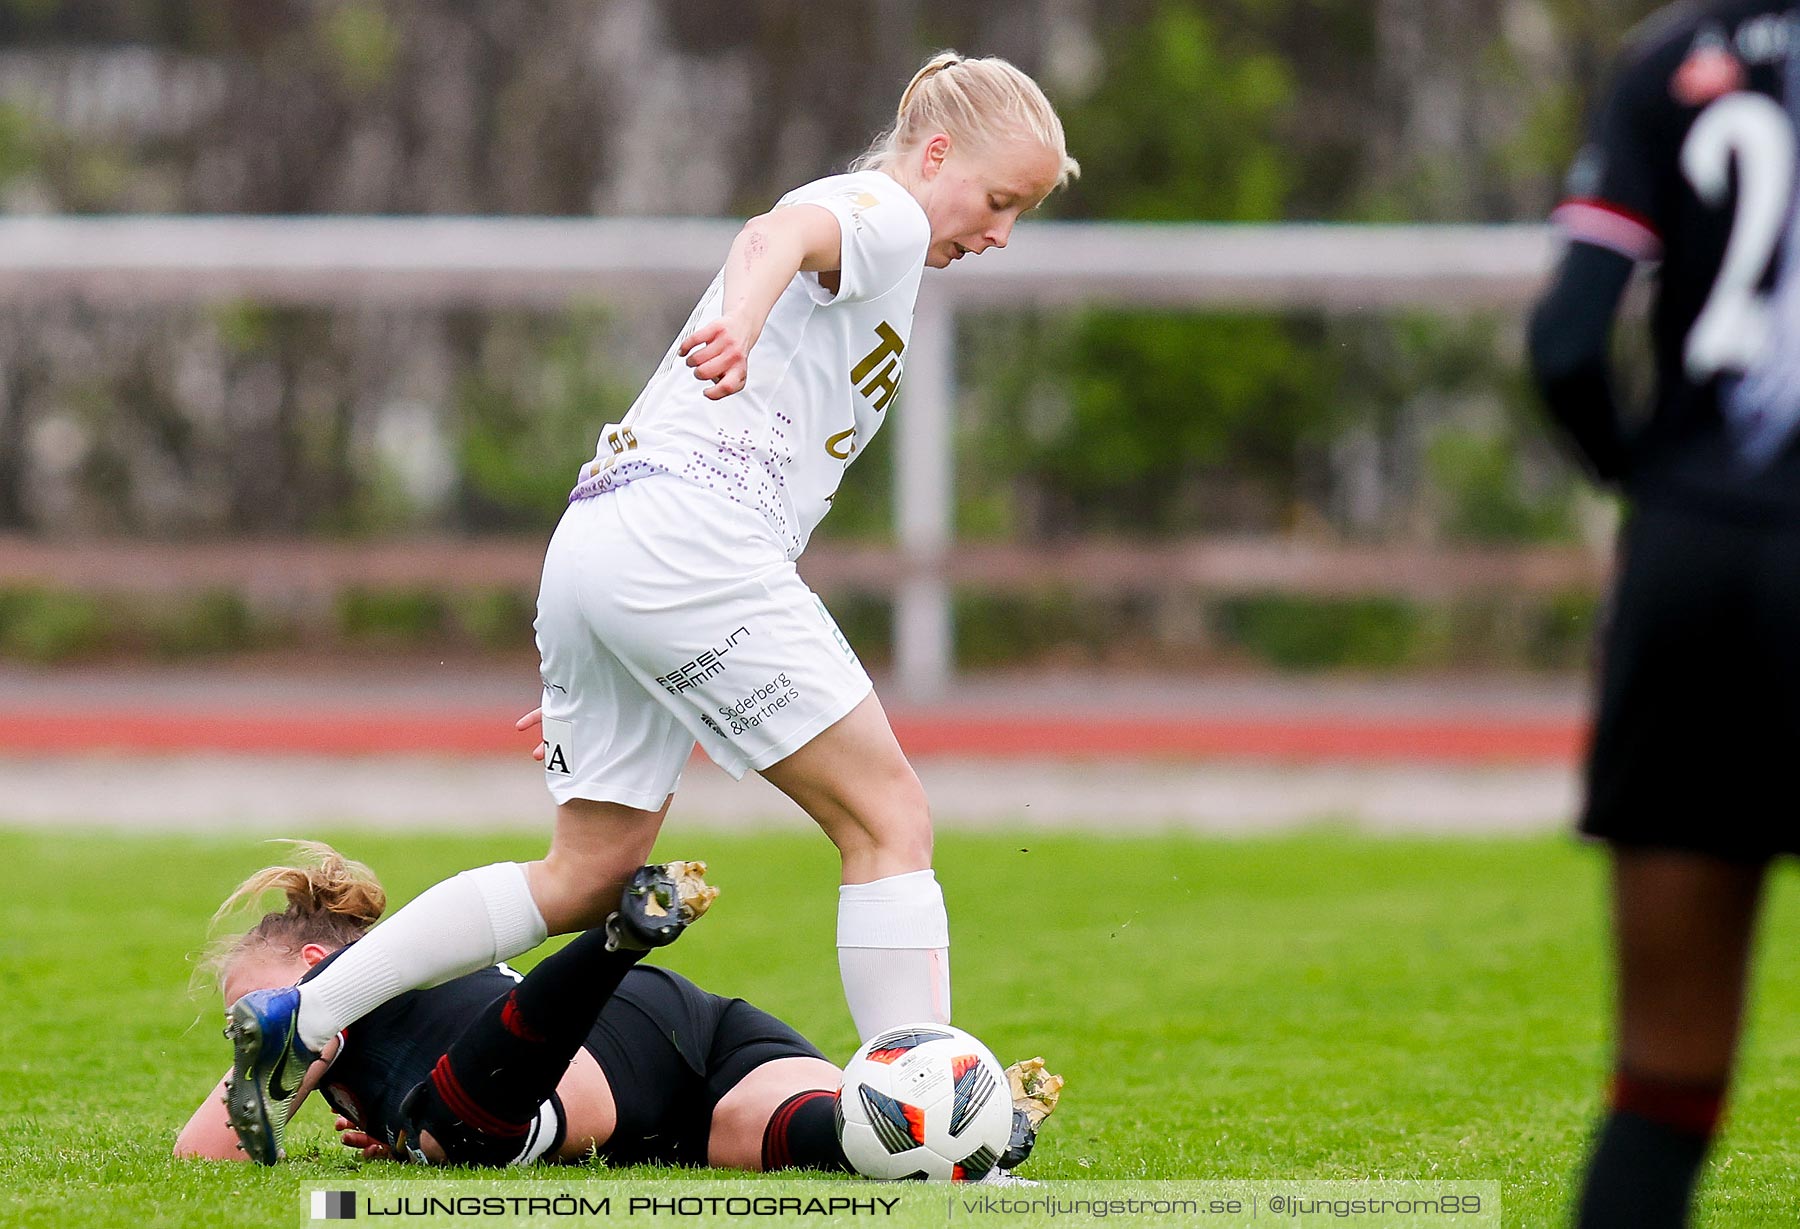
<point x="991" y="735"/>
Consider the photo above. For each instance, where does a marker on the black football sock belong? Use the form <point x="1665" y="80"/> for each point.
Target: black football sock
<point x="1648" y="1154"/>
<point x="802" y="1134"/>
<point x="510" y="1058"/>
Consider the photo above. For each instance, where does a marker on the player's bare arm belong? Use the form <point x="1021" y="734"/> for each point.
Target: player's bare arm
<point x="208" y="1136"/>
<point x="763" y="260"/>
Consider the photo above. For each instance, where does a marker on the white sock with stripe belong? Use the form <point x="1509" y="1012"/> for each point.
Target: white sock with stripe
<point x="894" y="952"/>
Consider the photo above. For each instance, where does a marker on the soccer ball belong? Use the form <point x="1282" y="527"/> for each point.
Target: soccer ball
<point x="924" y="1101"/>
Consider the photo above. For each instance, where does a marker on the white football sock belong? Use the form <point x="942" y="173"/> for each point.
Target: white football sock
<point x="894" y="952"/>
<point x="460" y="925"/>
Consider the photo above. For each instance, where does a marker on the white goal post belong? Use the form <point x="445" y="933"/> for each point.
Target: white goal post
<point x="546" y="262"/>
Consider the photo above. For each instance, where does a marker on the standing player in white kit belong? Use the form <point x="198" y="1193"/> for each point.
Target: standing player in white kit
<point x="670" y="610"/>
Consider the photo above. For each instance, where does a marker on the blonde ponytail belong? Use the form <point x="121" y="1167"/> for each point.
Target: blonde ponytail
<point x="935" y="65"/>
<point x="331" y="901"/>
<point x="976" y="102"/>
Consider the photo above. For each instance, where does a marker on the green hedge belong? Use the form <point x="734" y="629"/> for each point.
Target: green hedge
<point x="1051" y="628"/>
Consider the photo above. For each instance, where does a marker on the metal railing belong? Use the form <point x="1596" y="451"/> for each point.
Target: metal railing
<point x="549" y="261"/>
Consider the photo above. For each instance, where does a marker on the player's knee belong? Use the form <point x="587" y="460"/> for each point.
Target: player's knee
<point x="889" y="841"/>
<point x="736" y="1137"/>
<point x="910" y="845"/>
<point x="906" y="829"/>
<point x="878" y="816"/>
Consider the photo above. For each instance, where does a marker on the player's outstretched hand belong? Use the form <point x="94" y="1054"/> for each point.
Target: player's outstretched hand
<point x="719" y="352"/>
<point x="371" y="1148"/>
<point x="534" y="720"/>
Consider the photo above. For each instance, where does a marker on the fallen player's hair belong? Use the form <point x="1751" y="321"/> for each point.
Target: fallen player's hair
<point x="331" y="901"/>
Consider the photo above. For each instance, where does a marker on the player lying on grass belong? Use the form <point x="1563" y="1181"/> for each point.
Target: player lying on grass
<point x="587" y="1055"/>
<point x="671" y="613"/>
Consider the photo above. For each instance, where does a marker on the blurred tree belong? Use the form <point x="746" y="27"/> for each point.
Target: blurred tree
<point x="1185" y="125"/>
<point x="1225" y="110"/>
<point x="1153" y="421"/>
<point x="529" y="411"/>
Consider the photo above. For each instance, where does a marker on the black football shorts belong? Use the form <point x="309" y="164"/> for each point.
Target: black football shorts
<point x="671" y="1051"/>
<point x="1696" y="743"/>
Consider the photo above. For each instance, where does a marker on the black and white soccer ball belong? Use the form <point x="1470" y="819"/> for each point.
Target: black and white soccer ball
<point x="924" y="1101"/>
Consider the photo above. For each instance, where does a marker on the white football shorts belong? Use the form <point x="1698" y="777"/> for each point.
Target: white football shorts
<point x="670" y="615"/>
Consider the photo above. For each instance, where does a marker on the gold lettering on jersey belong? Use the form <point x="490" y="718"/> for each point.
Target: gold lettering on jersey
<point x="620" y="441"/>
<point x="883" y="384"/>
<point x="844" y="439"/>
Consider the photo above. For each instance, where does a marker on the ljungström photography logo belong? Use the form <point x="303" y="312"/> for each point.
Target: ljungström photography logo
<point x="334" y="1205"/>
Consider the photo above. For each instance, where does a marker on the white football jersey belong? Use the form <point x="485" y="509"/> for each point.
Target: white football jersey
<point x="822" y="374"/>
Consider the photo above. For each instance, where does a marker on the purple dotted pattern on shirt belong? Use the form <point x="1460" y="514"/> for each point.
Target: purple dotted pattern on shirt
<point x="739" y="452"/>
<point x="702" y="471"/>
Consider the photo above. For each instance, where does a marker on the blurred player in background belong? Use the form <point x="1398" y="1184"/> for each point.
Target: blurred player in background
<point x="1689" y="775"/>
<point x="670" y="611"/>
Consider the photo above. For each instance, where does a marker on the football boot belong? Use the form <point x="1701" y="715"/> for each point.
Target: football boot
<point x="268" y="1063"/>
<point x="658" y="904"/>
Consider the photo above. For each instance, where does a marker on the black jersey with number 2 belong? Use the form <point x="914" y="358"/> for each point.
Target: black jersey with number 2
<point x="1693" y="164"/>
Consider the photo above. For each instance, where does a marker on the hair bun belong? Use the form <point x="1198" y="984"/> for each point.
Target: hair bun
<point x="331" y="900"/>
<point x="336" y="885"/>
<point x="936" y="64"/>
<point x="992" y="102"/>
<point x="320" y="881"/>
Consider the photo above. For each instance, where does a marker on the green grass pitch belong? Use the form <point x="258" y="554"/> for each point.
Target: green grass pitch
<point x="1313" y="1006"/>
